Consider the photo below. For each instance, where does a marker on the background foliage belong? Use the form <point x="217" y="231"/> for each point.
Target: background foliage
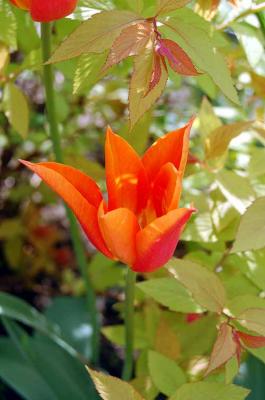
<point x="222" y="252"/>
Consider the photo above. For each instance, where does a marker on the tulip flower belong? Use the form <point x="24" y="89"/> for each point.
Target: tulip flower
<point x="140" y="224"/>
<point x="46" y="10"/>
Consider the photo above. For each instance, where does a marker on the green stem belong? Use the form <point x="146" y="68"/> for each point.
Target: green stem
<point x="129" y="325"/>
<point x="48" y="78"/>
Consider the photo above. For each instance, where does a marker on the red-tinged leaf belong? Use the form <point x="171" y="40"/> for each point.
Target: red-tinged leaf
<point x="178" y="60"/>
<point x="139" y="103"/>
<point x="224" y="348"/>
<point x="131" y="42"/>
<point x="156" y="73"/>
<point x="253" y="319"/>
<point x="94" y="35"/>
<point x="254" y="342"/>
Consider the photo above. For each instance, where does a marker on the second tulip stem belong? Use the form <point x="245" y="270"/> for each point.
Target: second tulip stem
<point x="129" y="325"/>
<point x="48" y="78"/>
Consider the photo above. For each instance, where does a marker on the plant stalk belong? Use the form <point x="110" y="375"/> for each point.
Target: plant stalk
<point x="129" y="325"/>
<point x="48" y="78"/>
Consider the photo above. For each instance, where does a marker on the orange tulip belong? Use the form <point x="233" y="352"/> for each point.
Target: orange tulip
<point x="141" y="223"/>
<point x="46" y="10"/>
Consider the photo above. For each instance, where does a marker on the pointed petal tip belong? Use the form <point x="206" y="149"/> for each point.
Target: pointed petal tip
<point x="27" y="164"/>
<point x="109" y="131"/>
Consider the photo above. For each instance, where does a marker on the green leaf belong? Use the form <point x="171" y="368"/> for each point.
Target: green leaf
<point x="88" y="71"/>
<point x="16" y="109"/>
<point x="236" y="189"/>
<point x="25" y="22"/>
<point x="116" y="334"/>
<point x="64" y="375"/>
<point x="10" y="227"/>
<point x="166" y="340"/>
<point x="138" y="136"/>
<point x="4" y="57"/>
<point x="94" y="35"/>
<point x="166" y="6"/>
<point x="256" y="166"/>
<point x="193" y="34"/>
<point x="71" y="315"/>
<point x="145" y="387"/>
<point x="251" y="230"/>
<point x="8" y="25"/>
<point x="239" y="304"/>
<point x="200" y="229"/>
<point x="252" y="41"/>
<point x="20" y="375"/>
<point x="165" y="373"/>
<point x="208" y="120"/>
<point x="113" y="388"/>
<point x="170" y="293"/>
<point x="253" y="319"/>
<point x="197" y="338"/>
<point x="210" y="391"/>
<point x="207" y="85"/>
<point x="231" y="370"/>
<point x="216" y="144"/>
<point x="204" y="285"/>
<point x="19" y="310"/>
<point x="252" y="264"/>
<point x="105" y="273"/>
<point x="139" y="101"/>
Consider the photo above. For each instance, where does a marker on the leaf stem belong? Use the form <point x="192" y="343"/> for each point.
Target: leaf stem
<point x="129" y="325"/>
<point x="48" y="79"/>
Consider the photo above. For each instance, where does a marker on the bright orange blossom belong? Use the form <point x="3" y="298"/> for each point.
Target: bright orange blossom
<point x="46" y="10"/>
<point x="141" y="223"/>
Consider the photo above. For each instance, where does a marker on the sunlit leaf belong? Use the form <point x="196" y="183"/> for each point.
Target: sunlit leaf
<point x="218" y="141"/>
<point x="130" y="42"/>
<point x="166" y="6"/>
<point x="204" y="285"/>
<point x="190" y="32"/>
<point x="170" y="293"/>
<point x="210" y="391"/>
<point x="16" y="109"/>
<point x="110" y="387"/>
<point x="165" y="373"/>
<point x="236" y="189"/>
<point x="87" y="72"/>
<point x="253" y="319"/>
<point x="251" y="230"/>
<point x="94" y="35"/>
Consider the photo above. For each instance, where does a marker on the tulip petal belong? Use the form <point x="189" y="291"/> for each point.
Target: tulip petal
<point x="126" y="178"/>
<point x="172" y="147"/>
<point x="83" y="183"/>
<point x="85" y="212"/>
<point x="119" y="228"/>
<point x="23" y="4"/>
<point x="156" y="243"/>
<point x="166" y="190"/>
<point x="50" y="10"/>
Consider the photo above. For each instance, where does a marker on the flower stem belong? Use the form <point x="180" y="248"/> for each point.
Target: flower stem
<point x="48" y="79"/>
<point x="129" y="325"/>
